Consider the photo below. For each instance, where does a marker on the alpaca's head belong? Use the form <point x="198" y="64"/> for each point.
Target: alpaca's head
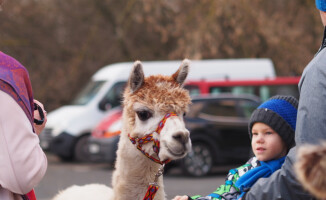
<point x="148" y="100"/>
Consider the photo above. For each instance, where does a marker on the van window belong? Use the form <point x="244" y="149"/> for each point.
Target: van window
<point x="114" y="95"/>
<point x="88" y="93"/>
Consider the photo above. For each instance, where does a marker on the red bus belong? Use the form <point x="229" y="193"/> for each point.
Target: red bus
<point x="263" y="88"/>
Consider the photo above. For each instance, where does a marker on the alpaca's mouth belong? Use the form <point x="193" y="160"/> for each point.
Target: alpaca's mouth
<point x="174" y="152"/>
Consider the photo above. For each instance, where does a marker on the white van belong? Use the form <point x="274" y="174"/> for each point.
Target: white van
<point x="68" y="127"/>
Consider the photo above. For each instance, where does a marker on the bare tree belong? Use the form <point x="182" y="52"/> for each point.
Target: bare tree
<point x="62" y="43"/>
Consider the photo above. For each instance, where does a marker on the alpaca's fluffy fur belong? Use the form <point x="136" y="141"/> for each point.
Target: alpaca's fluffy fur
<point x="85" y="192"/>
<point x="311" y="169"/>
<point x="159" y="95"/>
<point x="158" y="92"/>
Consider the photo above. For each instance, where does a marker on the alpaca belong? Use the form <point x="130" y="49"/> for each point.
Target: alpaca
<point x="153" y="133"/>
<point x="89" y="191"/>
<point x="311" y="169"/>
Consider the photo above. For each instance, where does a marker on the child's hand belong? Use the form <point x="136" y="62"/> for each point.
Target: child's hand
<point x="185" y="197"/>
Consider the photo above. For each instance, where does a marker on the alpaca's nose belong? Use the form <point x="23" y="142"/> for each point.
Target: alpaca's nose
<point x="181" y="136"/>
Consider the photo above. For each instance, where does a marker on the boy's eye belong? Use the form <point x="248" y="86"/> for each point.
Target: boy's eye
<point x="144" y="115"/>
<point x="254" y="133"/>
<point x="269" y="133"/>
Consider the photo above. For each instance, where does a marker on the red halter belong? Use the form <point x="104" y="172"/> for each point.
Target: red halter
<point x="153" y="187"/>
<point x="149" y="137"/>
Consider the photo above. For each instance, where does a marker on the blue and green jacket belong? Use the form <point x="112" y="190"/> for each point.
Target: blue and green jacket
<point x="229" y="191"/>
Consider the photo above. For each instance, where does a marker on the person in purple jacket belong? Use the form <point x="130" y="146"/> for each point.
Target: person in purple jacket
<point x="22" y="161"/>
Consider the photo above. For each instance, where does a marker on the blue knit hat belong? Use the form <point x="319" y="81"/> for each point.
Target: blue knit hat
<point x="280" y="113"/>
<point x="321" y="5"/>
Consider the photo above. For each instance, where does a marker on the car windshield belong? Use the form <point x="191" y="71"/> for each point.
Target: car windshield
<point x="88" y="93"/>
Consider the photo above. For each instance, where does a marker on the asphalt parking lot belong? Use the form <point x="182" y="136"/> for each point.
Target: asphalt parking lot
<point x="62" y="175"/>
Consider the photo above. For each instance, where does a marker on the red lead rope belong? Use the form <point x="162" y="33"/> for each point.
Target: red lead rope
<point x="153" y="187"/>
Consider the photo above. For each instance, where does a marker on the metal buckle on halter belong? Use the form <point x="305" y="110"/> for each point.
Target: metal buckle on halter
<point x="158" y="174"/>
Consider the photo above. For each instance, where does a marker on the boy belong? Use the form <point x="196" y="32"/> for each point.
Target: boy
<point x="271" y="129"/>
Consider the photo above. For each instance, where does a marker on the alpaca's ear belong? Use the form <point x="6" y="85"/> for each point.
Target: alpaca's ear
<point x="182" y="73"/>
<point x="136" y="78"/>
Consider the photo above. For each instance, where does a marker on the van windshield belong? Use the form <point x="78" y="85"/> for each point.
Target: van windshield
<point x="88" y="93"/>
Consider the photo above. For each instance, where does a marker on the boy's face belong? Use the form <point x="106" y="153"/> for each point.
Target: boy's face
<point x="266" y="143"/>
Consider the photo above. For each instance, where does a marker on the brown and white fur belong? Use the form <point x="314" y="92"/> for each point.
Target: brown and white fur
<point x="146" y="101"/>
<point x="311" y="169"/>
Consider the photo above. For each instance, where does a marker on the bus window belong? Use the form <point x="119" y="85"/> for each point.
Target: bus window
<point x="243" y="90"/>
<point x="219" y="89"/>
<point x="264" y="93"/>
<point x="284" y="90"/>
<point x="215" y="90"/>
<point x="193" y="89"/>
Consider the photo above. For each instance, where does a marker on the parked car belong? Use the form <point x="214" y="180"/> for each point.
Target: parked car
<point x="218" y="128"/>
<point x="103" y="143"/>
<point x="219" y="132"/>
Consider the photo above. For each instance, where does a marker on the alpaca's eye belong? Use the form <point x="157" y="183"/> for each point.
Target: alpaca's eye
<point x="184" y="114"/>
<point x="144" y="115"/>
